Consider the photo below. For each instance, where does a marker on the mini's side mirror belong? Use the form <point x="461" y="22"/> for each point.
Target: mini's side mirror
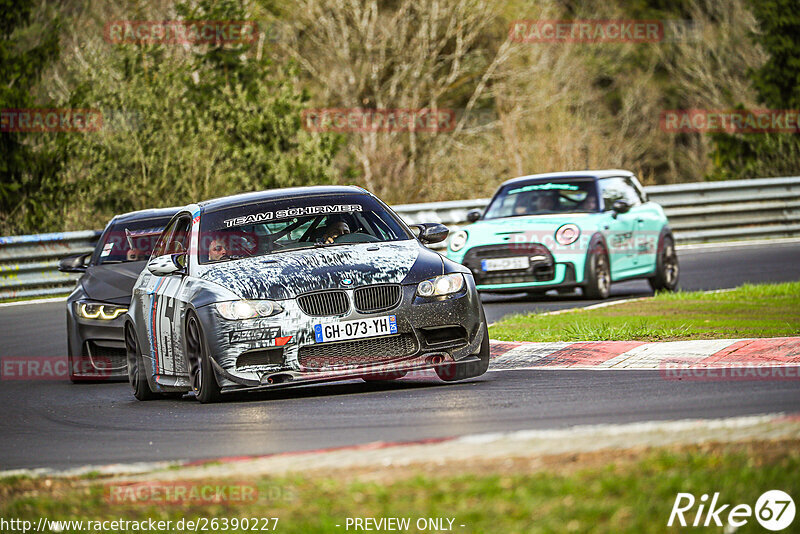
<point x="474" y="215"/>
<point x="620" y="206"/>
<point x="167" y="264"/>
<point x="74" y="264"/>
<point x="430" y="233"/>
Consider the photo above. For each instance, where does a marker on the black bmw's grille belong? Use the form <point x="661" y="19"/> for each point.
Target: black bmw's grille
<point x="324" y="303"/>
<point x="376" y="298"/>
<point x="106" y="358"/>
<point x="360" y="352"/>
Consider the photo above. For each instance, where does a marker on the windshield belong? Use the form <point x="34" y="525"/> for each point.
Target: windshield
<point x="566" y="195"/>
<point x="130" y="241"/>
<point x="272" y="227"/>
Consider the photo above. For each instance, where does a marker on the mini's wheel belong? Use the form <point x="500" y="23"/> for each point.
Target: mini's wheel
<point x="201" y="372"/>
<point x="667" y="268"/>
<point x="598" y="273"/>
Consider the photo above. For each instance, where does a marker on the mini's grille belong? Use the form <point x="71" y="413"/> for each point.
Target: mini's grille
<point x="360" y="352"/>
<point x="260" y="357"/>
<point x="324" y="303"/>
<point x="376" y="298"/>
<point x="541" y="269"/>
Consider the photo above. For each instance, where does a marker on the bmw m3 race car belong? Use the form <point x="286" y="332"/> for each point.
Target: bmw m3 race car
<point x="295" y="286"/>
<point x="565" y="230"/>
<point x="95" y="308"/>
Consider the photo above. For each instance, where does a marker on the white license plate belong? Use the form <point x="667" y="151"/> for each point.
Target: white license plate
<point x="506" y="264"/>
<point x="355" y="329"/>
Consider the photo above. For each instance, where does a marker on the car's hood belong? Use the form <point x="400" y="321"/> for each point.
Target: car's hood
<point x="113" y="282"/>
<point x="288" y="274"/>
<point x="535" y="227"/>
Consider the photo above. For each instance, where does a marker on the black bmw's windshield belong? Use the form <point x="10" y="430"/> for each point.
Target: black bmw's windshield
<point x="130" y="241"/>
<point x="276" y="226"/>
<point x="542" y="197"/>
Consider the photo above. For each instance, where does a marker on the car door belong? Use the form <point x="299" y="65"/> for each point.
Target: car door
<point x="163" y="305"/>
<point x="620" y="228"/>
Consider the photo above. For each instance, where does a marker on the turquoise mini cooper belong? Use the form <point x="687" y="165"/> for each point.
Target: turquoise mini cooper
<point x="566" y="230"/>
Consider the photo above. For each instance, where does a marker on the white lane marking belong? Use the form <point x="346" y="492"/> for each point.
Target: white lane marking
<point x="742" y="243"/>
<point x="527" y="354"/>
<point x="651" y="355"/>
<point x="36" y="301"/>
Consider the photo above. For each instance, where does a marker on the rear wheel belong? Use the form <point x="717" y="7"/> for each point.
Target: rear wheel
<point x="463" y="370"/>
<point x="667" y="269"/>
<point x="598" y="273"/>
<point x="136" y="372"/>
<point x="201" y="372"/>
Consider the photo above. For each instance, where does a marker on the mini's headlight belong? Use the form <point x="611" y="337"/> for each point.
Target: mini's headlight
<point x="441" y="285"/>
<point x="99" y="312"/>
<point x="458" y="240"/>
<point x="567" y="234"/>
<point x="238" y="310"/>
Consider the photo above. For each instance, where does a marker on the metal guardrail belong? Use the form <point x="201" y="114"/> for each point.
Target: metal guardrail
<point x="698" y="212"/>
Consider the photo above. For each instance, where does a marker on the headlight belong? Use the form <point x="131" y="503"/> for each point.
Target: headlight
<point x="100" y="312"/>
<point x="568" y="234"/>
<point x="458" y="240"/>
<point x="238" y="310"/>
<point x="441" y="285"/>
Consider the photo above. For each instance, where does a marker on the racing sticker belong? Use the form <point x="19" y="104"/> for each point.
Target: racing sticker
<point x="291" y="212"/>
<point x="271" y="334"/>
<point x="107" y="250"/>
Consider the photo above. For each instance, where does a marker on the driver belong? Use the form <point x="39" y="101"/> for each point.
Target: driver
<point x="335" y="228"/>
<point x="217" y="250"/>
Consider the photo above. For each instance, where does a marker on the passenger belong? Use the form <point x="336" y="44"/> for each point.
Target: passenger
<point x="335" y="228"/>
<point x="217" y="250"/>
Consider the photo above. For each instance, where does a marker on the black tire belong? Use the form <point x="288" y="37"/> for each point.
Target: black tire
<point x="137" y="376"/>
<point x="201" y="372"/>
<point x="463" y="370"/>
<point x="667" y="268"/>
<point x="598" y="273"/>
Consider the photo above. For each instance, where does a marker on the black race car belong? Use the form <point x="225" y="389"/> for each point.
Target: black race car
<point x="294" y="286"/>
<point x="95" y="309"/>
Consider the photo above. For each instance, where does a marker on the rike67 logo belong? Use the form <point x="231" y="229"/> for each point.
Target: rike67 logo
<point x="774" y="510"/>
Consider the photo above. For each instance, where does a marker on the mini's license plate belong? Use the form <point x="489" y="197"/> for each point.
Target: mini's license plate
<point x="355" y="329"/>
<point x="506" y="264"/>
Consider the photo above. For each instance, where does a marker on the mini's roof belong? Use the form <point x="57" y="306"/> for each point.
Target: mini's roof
<point x="607" y="173"/>
<point x="281" y="194"/>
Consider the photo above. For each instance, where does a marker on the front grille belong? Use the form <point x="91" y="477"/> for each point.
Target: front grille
<point x="540" y="270"/>
<point x="376" y="298"/>
<point x="105" y="358"/>
<point x="324" y="303"/>
<point x="260" y="357"/>
<point x="360" y="352"/>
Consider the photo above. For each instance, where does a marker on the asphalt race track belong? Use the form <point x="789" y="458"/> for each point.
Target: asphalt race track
<point x="56" y="424"/>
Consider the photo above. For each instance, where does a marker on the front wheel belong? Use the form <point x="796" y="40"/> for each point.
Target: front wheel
<point x="201" y="372"/>
<point x="463" y="370"/>
<point x="667" y="269"/>
<point x="598" y="274"/>
<point x="137" y="376"/>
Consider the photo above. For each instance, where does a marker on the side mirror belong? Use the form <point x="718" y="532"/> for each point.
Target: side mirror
<point x="620" y="206"/>
<point x="74" y="264"/>
<point x="167" y="264"/>
<point x="474" y="215"/>
<point x="432" y="232"/>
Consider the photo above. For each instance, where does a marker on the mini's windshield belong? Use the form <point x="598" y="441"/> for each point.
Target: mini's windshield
<point x="539" y="197"/>
<point x="130" y="241"/>
<point x="272" y="227"/>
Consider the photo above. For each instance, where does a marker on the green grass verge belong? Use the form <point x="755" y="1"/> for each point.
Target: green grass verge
<point x="764" y="310"/>
<point x="591" y="492"/>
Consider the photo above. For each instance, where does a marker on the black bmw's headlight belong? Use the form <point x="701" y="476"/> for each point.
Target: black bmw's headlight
<point x="441" y="285"/>
<point x="98" y="311"/>
<point x="238" y="310"/>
